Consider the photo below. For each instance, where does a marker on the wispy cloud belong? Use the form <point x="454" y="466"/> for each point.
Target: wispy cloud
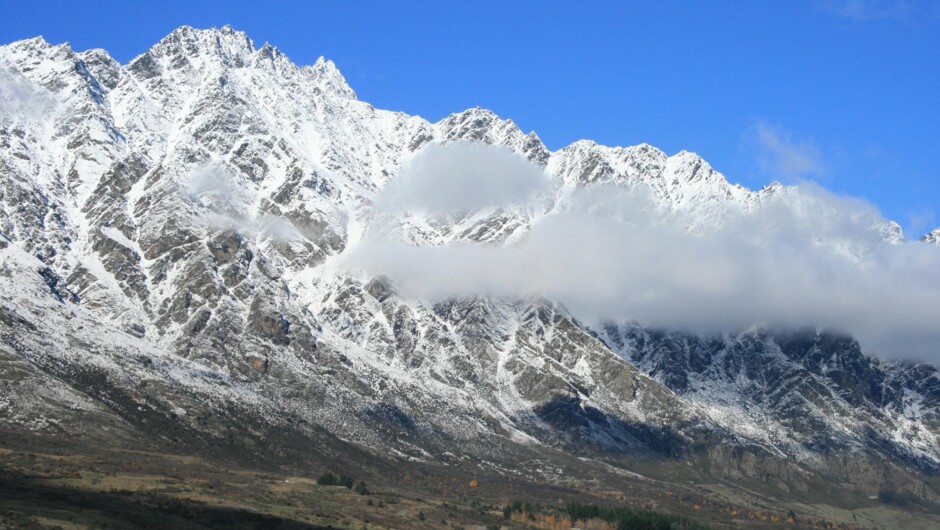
<point x="806" y="257"/>
<point x="21" y="98"/>
<point x="921" y="221"/>
<point x="784" y="156"/>
<point x="863" y="10"/>
<point x="228" y="204"/>
<point x="461" y="176"/>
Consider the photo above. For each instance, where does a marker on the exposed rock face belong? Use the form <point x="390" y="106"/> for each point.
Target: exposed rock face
<point x="166" y="230"/>
<point x="932" y="237"/>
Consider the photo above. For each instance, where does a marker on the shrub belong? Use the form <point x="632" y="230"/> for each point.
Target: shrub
<point x="327" y="479"/>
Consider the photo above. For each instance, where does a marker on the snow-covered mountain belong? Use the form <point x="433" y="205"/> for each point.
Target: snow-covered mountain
<point x="932" y="237"/>
<point x="169" y="230"/>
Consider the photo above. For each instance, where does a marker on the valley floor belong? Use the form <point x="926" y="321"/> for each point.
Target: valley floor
<point x="49" y="484"/>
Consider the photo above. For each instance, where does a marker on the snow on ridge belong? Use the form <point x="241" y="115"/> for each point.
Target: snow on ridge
<point x="932" y="237"/>
<point x="296" y="145"/>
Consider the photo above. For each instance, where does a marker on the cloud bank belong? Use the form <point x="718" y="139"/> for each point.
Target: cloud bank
<point x="459" y="177"/>
<point x="806" y="258"/>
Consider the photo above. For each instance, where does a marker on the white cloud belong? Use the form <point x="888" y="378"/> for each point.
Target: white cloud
<point x="805" y="258"/>
<point x="22" y="98"/>
<point x="461" y="176"/>
<point x="784" y="157"/>
<point x="231" y="204"/>
<point x="213" y="185"/>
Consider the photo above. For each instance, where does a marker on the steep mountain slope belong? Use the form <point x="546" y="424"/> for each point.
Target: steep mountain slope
<point x="169" y="232"/>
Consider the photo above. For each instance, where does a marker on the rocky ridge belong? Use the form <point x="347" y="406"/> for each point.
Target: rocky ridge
<point x="166" y="234"/>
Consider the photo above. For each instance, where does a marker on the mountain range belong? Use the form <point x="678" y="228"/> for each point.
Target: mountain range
<point x="172" y="239"/>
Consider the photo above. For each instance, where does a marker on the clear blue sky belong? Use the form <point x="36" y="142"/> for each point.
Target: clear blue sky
<point x="844" y="93"/>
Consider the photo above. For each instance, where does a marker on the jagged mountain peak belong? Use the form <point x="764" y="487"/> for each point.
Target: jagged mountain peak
<point x="646" y="149"/>
<point x="773" y="187"/>
<point x="98" y="54"/>
<point x="329" y="77"/>
<point x="483" y="125"/>
<point x="192" y="209"/>
<point x="932" y="237"/>
<point x="37" y="42"/>
<point x="29" y="55"/>
<point x="197" y="53"/>
<point x="892" y="232"/>
<point x="476" y="120"/>
<point x="212" y="40"/>
<point x="694" y="166"/>
<point x="697" y="163"/>
<point x="186" y="45"/>
<point x="105" y="69"/>
<point x="676" y="179"/>
<point x="36" y="46"/>
<point x="186" y="49"/>
<point x="270" y="52"/>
